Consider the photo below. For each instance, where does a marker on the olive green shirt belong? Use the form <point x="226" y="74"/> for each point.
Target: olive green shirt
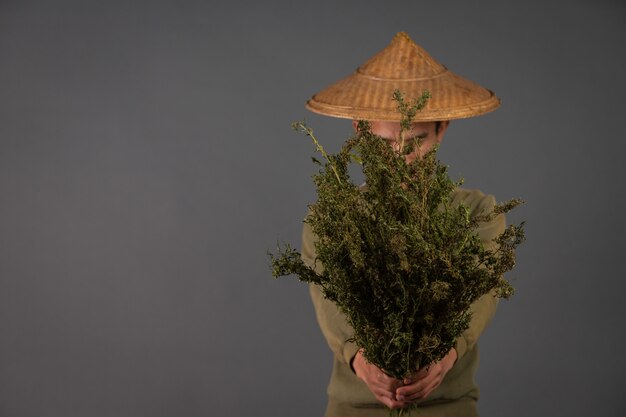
<point x="349" y="396"/>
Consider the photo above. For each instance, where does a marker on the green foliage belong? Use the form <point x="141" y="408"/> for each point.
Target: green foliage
<point x="400" y="260"/>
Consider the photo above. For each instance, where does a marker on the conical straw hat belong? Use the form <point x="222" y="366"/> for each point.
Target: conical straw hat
<point x="403" y="65"/>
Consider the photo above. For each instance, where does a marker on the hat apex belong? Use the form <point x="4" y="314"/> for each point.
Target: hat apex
<point x="402" y="59"/>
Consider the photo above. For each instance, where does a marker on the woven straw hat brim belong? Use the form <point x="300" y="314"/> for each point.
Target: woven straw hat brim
<point x="403" y="65"/>
<point x="361" y="98"/>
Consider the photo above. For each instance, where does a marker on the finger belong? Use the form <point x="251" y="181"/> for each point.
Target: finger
<point x="391" y="384"/>
<point x="431" y="388"/>
<point x="416" y="386"/>
<point x="384" y="393"/>
<point x="424" y="392"/>
<point x="420" y="374"/>
<point x="417" y="394"/>
<point x="384" y="386"/>
<point x="415" y="391"/>
<point x="392" y="404"/>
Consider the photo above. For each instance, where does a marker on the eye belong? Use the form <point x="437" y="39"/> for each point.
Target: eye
<point x="418" y="137"/>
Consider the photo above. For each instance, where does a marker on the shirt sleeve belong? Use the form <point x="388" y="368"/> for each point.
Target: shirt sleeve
<point x="484" y="308"/>
<point x="332" y="322"/>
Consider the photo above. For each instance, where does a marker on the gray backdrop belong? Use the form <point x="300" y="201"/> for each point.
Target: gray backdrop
<point x="147" y="165"/>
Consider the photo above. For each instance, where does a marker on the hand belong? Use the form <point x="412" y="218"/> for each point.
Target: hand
<point x="426" y="380"/>
<point x="382" y="386"/>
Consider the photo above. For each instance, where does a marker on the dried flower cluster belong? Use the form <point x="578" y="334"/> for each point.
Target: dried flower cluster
<point x="399" y="259"/>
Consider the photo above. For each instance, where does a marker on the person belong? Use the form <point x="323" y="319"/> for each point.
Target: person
<point x="445" y="388"/>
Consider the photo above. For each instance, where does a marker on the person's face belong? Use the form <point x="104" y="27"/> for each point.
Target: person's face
<point x="424" y="131"/>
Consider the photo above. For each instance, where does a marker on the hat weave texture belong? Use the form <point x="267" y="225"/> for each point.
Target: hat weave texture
<point x="405" y="66"/>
